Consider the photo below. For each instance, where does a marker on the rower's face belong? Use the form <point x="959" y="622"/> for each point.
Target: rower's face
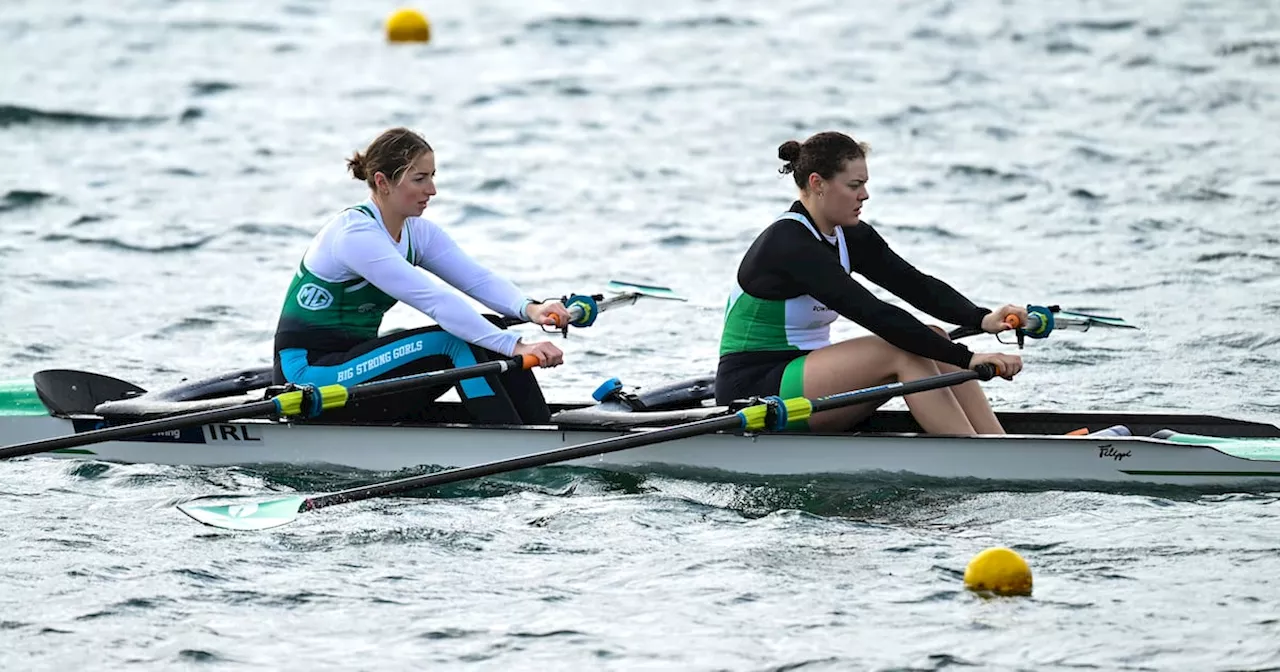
<point x="844" y="194"/>
<point x="410" y="194"/>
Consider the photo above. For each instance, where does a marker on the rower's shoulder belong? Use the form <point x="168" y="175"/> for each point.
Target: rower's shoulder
<point x="351" y="218"/>
<point x="785" y="227"/>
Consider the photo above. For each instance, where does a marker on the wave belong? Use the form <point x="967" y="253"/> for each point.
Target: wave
<point x="184" y="325"/>
<point x="987" y="172"/>
<point x="74" y="283"/>
<point x="210" y="24"/>
<point x="1264" y="52"/>
<point x="22" y="198"/>
<point x="1101" y="26"/>
<point x="1224" y="256"/>
<point x="712" y="21"/>
<point x="209" y="88"/>
<point x="581" y="22"/>
<point x="117" y="244"/>
<point x="879" y="497"/>
<point x="929" y="230"/>
<point x="271" y="230"/>
<point x="15" y="115"/>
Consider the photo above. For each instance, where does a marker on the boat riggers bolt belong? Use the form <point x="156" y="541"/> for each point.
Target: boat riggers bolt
<point x="775" y="413"/>
<point x="309" y="401"/>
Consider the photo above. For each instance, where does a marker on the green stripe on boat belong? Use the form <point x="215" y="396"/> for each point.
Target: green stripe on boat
<point x="1243" y="448"/>
<point x="18" y="397"/>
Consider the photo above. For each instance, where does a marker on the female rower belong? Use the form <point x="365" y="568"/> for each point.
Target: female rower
<point x="794" y="281"/>
<point x="370" y="256"/>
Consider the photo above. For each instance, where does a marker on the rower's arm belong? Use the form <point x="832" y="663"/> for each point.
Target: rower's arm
<point x="806" y="266"/>
<point x="442" y="256"/>
<point x="871" y="256"/>
<point x="367" y="252"/>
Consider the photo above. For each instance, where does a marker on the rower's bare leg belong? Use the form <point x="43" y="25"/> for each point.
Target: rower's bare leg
<point x="972" y="398"/>
<point x="868" y="361"/>
<point x="975" y="404"/>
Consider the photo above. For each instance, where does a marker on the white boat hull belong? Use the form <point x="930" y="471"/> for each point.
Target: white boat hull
<point x="1028" y="457"/>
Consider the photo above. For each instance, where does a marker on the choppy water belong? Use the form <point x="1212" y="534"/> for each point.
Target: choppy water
<point x="166" y="163"/>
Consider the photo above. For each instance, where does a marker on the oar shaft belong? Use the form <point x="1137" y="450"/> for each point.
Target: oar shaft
<point x="884" y="392"/>
<point x="438" y="378"/>
<point x="137" y="429"/>
<point x="530" y="461"/>
<point x="744" y="419"/>
<point x="626" y="298"/>
<point x="288" y="404"/>
<point x="575" y="311"/>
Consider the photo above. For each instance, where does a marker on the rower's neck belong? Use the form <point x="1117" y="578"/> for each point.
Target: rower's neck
<point x="810" y="203"/>
<point x="393" y="222"/>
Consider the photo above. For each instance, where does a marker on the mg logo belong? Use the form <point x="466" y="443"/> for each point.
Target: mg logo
<point x="314" y="297"/>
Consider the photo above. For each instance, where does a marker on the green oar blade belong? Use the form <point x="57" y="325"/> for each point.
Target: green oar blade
<point x="655" y="291"/>
<point x="244" y="515"/>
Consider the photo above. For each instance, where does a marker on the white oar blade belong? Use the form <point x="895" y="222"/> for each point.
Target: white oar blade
<point x="655" y="291"/>
<point x="246" y="514"/>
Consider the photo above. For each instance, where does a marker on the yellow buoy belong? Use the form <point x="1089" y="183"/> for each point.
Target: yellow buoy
<point x="1000" y="571"/>
<point x="408" y="25"/>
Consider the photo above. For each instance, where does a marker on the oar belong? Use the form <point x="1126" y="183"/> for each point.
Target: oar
<point x="259" y="513"/>
<point x="1044" y="320"/>
<point x="292" y="403"/>
<point x="583" y="309"/>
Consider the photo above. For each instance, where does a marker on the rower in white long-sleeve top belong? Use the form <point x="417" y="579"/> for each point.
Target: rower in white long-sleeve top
<point x="371" y="256"/>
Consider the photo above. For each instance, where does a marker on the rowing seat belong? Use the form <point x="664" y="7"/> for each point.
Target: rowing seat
<point x="666" y="404"/>
<point x="616" y="417"/>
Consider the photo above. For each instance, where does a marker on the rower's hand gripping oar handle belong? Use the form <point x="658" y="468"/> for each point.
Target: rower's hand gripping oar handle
<point x="1040" y="323"/>
<point x="583" y="310"/>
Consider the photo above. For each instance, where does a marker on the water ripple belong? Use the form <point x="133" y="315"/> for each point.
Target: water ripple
<point x="17" y="115"/>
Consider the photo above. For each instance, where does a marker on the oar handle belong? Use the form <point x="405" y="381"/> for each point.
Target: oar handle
<point x="1035" y="325"/>
<point x="577" y="312"/>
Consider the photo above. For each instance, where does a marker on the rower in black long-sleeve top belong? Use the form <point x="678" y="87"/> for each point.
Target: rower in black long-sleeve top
<point x="795" y="280"/>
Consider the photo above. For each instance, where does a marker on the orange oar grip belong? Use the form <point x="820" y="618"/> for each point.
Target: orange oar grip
<point x="530" y="361"/>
